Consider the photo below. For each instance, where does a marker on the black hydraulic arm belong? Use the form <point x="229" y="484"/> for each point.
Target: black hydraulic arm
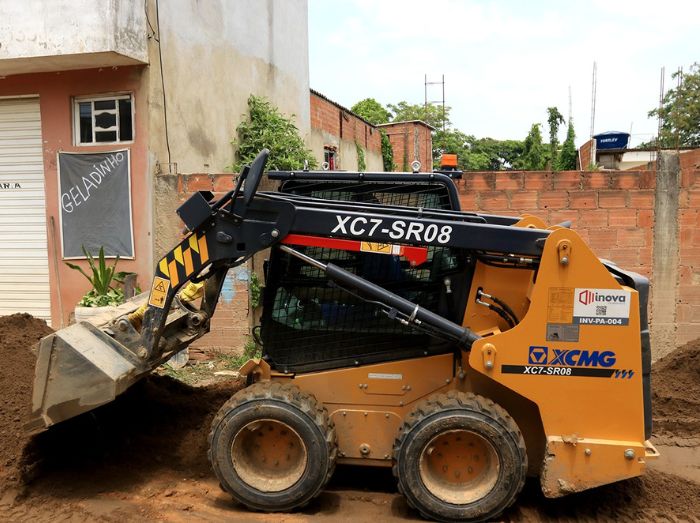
<point x="225" y="233"/>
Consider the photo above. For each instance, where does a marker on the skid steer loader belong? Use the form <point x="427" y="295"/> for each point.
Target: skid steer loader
<point x="463" y="350"/>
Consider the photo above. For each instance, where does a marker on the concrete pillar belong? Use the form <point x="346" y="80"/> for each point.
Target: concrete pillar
<point x="666" y="254"/>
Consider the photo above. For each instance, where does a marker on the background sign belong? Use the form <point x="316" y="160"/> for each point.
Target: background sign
<point x="95" y="200"/>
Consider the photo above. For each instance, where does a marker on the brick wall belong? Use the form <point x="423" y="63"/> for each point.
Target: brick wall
<point x="410" y="141"/>
<point x="688" y="299"/>
<point x="614" y="211"/>
<point x="338" y="121"/>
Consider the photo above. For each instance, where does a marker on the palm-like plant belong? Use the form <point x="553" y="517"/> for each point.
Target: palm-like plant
<point x="102" y="292"/>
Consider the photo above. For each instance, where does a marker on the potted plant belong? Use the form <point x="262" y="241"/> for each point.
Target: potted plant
<point x="103" y="296"/>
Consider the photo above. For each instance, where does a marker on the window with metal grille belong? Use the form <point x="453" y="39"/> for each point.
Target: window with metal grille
<point x="103" y="120"/>
<point x="330" y="158"/>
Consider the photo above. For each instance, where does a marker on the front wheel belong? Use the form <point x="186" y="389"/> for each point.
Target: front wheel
<point x="460" y="457"/>
<point x="272" y="447"/>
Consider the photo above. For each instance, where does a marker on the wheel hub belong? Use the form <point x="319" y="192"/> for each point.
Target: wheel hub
<point x="459" y="466"/>
<point x="268" y="455"/>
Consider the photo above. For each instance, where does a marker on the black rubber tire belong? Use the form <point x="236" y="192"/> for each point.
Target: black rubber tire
<point x="442" y="413"/>
<point x="300" y="411"/>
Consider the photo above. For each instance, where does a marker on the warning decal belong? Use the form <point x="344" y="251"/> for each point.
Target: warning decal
<point x="383" y="248"/>
<point x="560" y="308"/>
<point x="159" y="290"/>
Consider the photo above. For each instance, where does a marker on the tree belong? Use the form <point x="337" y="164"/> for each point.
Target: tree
<point x="372" y="111"/>
<point x="432" y="114"/>
<point x="267" y="127"/>
<point x="680" y="112"/>
<point x="567" y="158"/>
<point x="534" y="157"/>
<point x="554" y="119"/>
<point x="375" y="113"/>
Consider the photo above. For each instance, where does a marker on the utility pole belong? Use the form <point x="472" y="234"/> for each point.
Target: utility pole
<point x="430" y="102"/>
<point x="593" y="97"/>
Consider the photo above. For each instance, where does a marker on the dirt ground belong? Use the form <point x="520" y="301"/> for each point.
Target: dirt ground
<point x="144" y="457"/>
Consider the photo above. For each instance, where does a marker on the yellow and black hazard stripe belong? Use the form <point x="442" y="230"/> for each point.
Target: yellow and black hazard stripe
<point x="184" y="260"/>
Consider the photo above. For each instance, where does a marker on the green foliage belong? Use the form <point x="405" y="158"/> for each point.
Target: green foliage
<point x="102" y="292"/>
<point x="255" y="290"/>
<point x="372" y="111"/>
<point x="477" y="154"/>
<point x="554" y="119"/>
<point x="534" y="157"/>
<point x="680" y="112"/>
<point x="567" y="158"/>
<point x="361" y="161"/>
<point x="251" y="350"/>
<point x="432" y="115"/>
<point x="267" y="128"/>
<point x="387" y="152"/>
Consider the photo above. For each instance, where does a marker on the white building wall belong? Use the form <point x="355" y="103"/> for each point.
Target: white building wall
<point x="54" y="35"/>
<point x="214" y="55"/>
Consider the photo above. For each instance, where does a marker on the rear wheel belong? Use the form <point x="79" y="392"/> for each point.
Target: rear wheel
<point x="272" y="447"/>
<point x="460" y="457"/>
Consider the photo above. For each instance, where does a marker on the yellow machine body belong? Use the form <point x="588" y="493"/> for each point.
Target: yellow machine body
<point x="581" y="431"/>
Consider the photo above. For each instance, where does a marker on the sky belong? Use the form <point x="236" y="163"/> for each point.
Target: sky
<point x="505" y="62"/>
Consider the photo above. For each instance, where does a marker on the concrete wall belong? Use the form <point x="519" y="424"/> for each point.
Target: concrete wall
<point x="335" y="126"/>
<point x="52" y="35"/>
<point x="646" y="221"/>
<point x="214" y="55"/>
<point x="55" y="92"/>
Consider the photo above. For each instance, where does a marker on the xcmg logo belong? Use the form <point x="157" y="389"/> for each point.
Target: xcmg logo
<point x="589" y="296"/>
<point x="541" y="355"/>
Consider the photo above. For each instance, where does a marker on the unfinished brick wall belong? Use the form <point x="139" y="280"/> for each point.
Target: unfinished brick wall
<point x="688" y="299"/>
<point x="410" y="141"/>
<point x="338" y="121"/>
<point x="612" y="211"/>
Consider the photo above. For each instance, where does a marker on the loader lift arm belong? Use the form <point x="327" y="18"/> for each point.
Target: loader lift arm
<point x="226" y="233"/>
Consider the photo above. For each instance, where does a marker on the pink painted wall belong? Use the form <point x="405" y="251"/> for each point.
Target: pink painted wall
<point x="55" y="92"/>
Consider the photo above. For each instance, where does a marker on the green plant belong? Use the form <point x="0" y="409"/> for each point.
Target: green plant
<point x="554" y="119"/>
<point x="387" y="153"/>
<point x="680" y="112"/>
<point x="266" y="127"/>
<point x="102" y="292"/>
<point x="251" y="349"/>
<point x="255" y="290"/>
<point x="534" y="157"/>
<point x="372" y="111"/>
<point x="361" y="161"/>
<point x="567" y="158"/>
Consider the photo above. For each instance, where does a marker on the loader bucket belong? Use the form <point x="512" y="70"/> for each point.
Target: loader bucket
<point x="78" y="369"/>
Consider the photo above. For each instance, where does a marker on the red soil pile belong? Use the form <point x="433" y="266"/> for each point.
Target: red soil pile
<point x="159" y="425"/>
<point x="18" y="333"/>
<point x="653" y="497"/>
<point x="675" y="384"/>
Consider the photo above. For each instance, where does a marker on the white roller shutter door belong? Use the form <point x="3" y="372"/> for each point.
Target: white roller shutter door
<point x="24" y="265"/>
